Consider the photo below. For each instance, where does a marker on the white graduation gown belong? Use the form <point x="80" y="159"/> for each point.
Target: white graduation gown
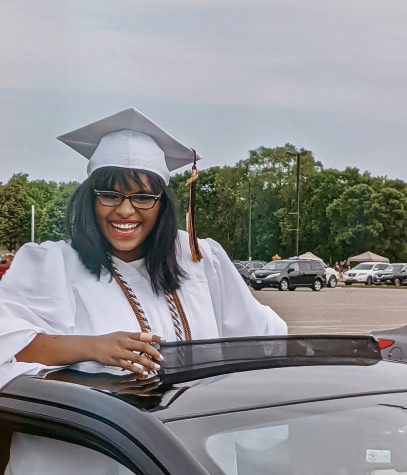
<point x="49" y="290"/>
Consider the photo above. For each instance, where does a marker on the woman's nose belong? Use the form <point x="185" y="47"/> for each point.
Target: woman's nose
<point x="126" y="209"/>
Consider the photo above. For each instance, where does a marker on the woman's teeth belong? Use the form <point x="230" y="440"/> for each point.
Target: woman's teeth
<point x="127" y="227"/>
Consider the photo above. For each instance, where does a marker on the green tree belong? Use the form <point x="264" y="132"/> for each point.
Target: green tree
<point x="15" y="212"/>
<point x="390" y="210"/>
<point x="53" y="213"/>
<point x="354" y="226"/>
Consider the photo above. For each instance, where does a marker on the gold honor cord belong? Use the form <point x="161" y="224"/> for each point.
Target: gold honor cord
<point x="179" y="319"/>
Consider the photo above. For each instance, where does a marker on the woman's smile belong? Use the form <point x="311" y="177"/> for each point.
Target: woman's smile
<point x="125" y="228"/>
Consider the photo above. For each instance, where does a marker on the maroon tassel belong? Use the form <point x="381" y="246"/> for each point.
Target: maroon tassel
<point x="193" y="241"/>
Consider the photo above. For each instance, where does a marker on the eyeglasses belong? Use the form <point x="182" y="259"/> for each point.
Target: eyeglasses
<point x="113" y="199"/>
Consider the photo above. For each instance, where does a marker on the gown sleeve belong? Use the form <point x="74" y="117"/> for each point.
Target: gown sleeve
<point x="237" y="312"/>
<point x="35" y="297"/>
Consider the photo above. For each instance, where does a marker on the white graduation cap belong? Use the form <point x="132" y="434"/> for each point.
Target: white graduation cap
<point x="129" y="139"/>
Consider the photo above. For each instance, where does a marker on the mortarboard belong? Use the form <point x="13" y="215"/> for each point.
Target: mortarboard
<point x="129" y="139"/>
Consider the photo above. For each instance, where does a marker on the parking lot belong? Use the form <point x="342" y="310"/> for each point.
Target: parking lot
<point x="351" y="310"/>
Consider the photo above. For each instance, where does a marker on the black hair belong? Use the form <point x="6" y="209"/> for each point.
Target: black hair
<point x="95" y="251"/>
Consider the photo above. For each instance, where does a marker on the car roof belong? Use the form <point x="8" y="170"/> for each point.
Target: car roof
<point x="373" y="263"/>
<point x="298" y="259"/>
<point x="287" y="370"/>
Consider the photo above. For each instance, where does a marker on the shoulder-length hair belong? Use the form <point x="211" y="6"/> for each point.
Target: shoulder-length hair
<point x="95" y="251"/>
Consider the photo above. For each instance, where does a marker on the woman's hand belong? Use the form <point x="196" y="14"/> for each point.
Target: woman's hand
<point x="132" y="351"/>
<point x="123" y="349"/>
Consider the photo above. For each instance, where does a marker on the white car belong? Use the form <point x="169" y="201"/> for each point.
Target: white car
<point x="332" y="276"/>
<point x="363" y="273"/>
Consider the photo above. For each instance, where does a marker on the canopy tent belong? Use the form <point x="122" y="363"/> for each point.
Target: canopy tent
<point x="310" y="255"/>
<point x="368" y="257"/>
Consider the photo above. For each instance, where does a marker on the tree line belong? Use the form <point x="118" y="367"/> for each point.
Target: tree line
<point x="342" y="212"/>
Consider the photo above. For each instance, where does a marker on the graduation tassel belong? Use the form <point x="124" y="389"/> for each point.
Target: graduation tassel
<point x="193" y="241"/>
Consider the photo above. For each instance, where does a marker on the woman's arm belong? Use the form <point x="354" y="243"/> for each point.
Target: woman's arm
<point x="122" y="349"/>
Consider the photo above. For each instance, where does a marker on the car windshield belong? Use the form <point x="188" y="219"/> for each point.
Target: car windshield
<point x="337" y="437"/>
<point x="363" y="267"/>
<point x="276" y="265"/>
<point x="394" y="268"/>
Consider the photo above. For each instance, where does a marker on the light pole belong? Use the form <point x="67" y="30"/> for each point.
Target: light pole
<point x="32" y="223"/>
<point x="297" y="188"/>
<point x="249" y="238"/>
<point x="297" y="227"/>
<point x="249" y="241"/>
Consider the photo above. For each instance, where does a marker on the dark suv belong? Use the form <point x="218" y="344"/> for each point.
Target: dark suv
<point x="289" y="274"/>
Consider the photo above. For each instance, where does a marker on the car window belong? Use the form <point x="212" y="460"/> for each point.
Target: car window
<point x="295" y="266"/>
<point x="305" y="266"/>
<point x="238" y="266"/>
<point x="80" y="453"/>
<point x="315" y="265"/>
<point x="340" y="437"/>
<point x="364" y="266"/>
<point x="277" y="265"/>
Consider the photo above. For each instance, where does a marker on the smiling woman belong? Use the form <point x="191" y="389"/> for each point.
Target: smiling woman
<point x="126" y="276"/>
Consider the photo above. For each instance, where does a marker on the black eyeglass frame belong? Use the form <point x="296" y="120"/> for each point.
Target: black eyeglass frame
<point x="123" y="197"/>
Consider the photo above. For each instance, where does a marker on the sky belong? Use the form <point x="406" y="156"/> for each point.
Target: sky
<point x="222" y="76"/>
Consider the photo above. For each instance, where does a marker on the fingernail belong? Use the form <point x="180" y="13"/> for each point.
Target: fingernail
<point x="145" y="373"/>
<point x="161" y="357"/>
<point x="157" y="366"/>
<point x="163" y="340"/>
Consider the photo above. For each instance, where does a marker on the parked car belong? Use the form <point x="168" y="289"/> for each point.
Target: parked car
<point x="245" y="268"/>
<point x="288" y="274"/>
<point x="5" y="263"/>
<point x="363" y="273"/>
<point x="332" y="276"/>
<point x="393" y="343"/>
<point x="294" y="405"/>
<point x="394" y="274"/>
<point x="254" y="265"/>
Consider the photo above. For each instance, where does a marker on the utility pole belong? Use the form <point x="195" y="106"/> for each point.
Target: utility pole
<point x="249" y="241"/>
<point x="297" y="213"/>
<point x="32" y="223"/>
<point x="297" y="228"/>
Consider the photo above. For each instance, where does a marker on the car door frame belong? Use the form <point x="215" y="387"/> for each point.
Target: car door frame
<point x="98" y="421"/>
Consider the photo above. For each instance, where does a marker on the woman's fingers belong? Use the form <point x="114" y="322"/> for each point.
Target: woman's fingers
<point x="141" y="360"/>
<point x="126" y="364"/>
<point x="144" y="347"/>
<point x="147" y="337"/>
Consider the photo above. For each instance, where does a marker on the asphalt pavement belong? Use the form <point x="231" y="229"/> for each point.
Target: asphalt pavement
<point x="346" y="310"/>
